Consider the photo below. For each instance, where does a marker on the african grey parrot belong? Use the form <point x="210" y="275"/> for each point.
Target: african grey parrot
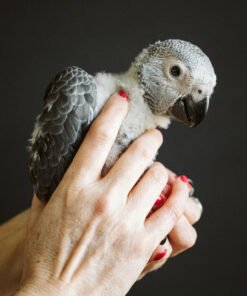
<point x="172" y="79"/>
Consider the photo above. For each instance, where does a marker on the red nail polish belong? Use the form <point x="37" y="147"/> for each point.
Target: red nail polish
<point x="160" y="255"/>
<point x="160" y="200"/>
<point x="167" y="191"/>
<point x="123" y="94"/>
<point x="184" y="179"/>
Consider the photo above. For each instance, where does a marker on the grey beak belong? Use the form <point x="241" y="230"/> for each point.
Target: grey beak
<point x="189" y="112"/>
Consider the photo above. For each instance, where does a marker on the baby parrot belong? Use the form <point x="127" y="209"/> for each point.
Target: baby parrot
<point x="172" y="79"/>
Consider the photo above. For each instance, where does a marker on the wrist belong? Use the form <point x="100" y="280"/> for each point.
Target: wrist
<point x="44" y="289"/>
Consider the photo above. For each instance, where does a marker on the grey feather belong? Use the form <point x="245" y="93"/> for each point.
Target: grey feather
<point x="70" y="102"/>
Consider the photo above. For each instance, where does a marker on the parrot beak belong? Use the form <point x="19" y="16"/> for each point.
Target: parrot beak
<point x="189" y="112"/>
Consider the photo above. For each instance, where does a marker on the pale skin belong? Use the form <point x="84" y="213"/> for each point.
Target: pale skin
<point x="106" y="248"/>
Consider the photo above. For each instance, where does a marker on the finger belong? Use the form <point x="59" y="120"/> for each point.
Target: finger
<point x="171" y="179"/>
<point x="171" y="176"/>
<point x="131" y="165"/>
<point x="193" y="210"/>
<point x="167" y="190"/>
<point x="162" y="221"/>
<point x="147" y="190"/>
<point x="163" y="251"/>
<point x="92" y="154"/>
<point x="183" y="236"/>
<point x="158" y="258"/>
<point x="35" y="211"/>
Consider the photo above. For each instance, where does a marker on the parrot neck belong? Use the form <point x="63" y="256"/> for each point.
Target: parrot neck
<point x="139" y="95"/>
<point x="140" y="116"/>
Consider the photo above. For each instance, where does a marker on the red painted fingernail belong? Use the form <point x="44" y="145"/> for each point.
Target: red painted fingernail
<point x="167" y="190"/>
<point x="184" y="179"/>
<point x="160" y="255"/>
<point x="123" y="94"/>
<point x="160" y="200"/>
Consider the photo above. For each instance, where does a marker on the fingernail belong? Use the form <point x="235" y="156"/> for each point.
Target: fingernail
<point x="160" y="255"/>
<point x="184" y="179"/>
<point x="123" y="94"/>
<point x="163" y="241"/>
<point x="190" y="181"/>
<point x="192" y="191"/>
<point x="167" y="190"/>
<point x="199" y="204"/>
<point x="160" y="200"/>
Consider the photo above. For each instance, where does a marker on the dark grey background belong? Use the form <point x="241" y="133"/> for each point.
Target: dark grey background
<point x="39" y="38"/>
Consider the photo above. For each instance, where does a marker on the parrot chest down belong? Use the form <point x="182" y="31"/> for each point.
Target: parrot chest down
<point x="163" y="83"/>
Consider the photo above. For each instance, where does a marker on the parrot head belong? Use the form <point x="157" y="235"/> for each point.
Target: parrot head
<point x="178" y="80"/>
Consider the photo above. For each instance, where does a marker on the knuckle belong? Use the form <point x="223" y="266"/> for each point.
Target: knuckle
<point x="190" y="240"/>
<point x="72" y="176"/>
<point x="182" y="194"/>
<point x="103" y="207"/>
<point x="69" y="193"/>
<point x="145" y="151"/>
<point x="197" y="209"/>
<point x="195" y="217"/>
<point x="175" y="212"/>
<point x="158" y="173"/>
<point x="147" y="145"/>
<point x="69" y="196"/>
<point x="158" y="136"/>
<point x="103" y="132"/>
<point x="194" y="237"/>
<point x="155" y="137"/>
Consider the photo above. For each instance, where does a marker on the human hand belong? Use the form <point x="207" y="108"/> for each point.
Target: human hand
<point x="94" y="237"/>
<point x="183" y="236"/>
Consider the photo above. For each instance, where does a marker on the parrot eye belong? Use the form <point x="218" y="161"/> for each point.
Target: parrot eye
<point x="175" y="71"/>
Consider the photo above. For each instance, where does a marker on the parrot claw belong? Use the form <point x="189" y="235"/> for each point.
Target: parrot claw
<point x="192" y="191"/>
<point x="190" y="181"/>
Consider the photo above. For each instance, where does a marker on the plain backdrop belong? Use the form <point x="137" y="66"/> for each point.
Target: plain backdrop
<point x="39" y="38"/>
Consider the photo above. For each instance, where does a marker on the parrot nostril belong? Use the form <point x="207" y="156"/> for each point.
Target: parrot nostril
<point x="199" y="91"/>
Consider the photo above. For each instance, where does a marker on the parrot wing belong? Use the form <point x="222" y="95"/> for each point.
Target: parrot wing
<point x="70" y="104"/>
